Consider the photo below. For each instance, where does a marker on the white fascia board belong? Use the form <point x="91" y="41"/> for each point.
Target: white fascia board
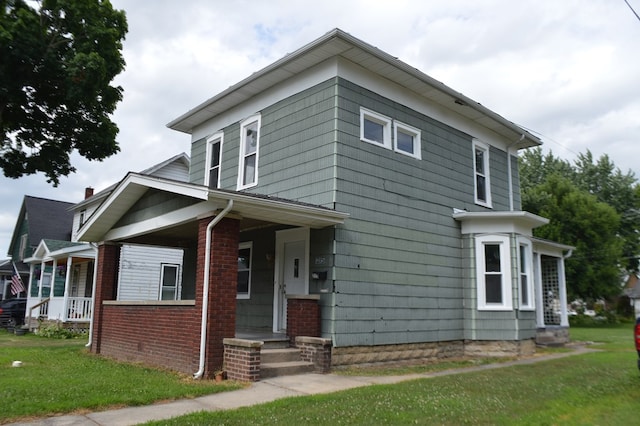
<point x="519" y="222"/>
<point x="550" y="248"/>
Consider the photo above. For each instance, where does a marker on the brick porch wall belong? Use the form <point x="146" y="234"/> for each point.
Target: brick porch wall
<point x="303" y="317"/>
<point x="168" y="334"/>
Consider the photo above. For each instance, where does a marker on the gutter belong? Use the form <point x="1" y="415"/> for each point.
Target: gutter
<point x="205" y="292"/>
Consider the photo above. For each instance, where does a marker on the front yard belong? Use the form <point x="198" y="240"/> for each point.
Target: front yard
<point x="59" y="376"/>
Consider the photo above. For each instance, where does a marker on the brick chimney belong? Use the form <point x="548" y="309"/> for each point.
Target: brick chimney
<point x="88" y="192"/>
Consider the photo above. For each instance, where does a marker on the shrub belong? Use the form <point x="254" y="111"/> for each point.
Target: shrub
<point x="55" y="331"/>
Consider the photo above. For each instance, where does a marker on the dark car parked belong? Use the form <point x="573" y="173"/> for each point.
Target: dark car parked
<point x="12" y="312"/>
<point x="636" y="335"/>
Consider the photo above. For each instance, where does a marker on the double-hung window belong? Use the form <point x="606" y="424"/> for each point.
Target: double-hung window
<point x="249" y="149"/>
<point x="406" y="140"/>
<point x="214" y="153"/>
<point x="169" y="281"/>
<point x="244" y="270"/>
<point x="525" y="277"/>
<point x="375" y="128"/>
<point x="493" y="266"/>
<point x="482" y="188"/>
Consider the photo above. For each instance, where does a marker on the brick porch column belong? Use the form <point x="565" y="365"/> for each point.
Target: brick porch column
<point x="223" y="285"/>
<point x="106" y="287"/>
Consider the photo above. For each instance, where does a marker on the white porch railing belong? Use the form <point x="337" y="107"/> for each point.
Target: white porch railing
<point x="78" y="309"/>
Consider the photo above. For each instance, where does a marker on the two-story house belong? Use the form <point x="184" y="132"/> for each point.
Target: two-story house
<point x="342" y="194"/>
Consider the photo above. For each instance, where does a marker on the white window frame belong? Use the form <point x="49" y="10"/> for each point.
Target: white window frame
<point x="505" y="272"/>
<point x="384" y="121"/>
<point x="410" y="131"/>
<point x="243" y="156"/>
<point x="212" y="140"/>
<point x="479" y="146"/>
<point x="525" y="243"/>
<point x="176" y="294"/>
<point x="241" y="246"/>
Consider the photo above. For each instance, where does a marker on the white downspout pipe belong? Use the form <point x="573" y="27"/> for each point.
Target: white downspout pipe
<point x="509" y="177"/>
<point x="205" y="292"/>
<point x="93" y="293"/>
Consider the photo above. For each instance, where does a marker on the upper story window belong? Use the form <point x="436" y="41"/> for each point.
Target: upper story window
<point x="82" y="218"/>
<point x="525" y="278"/>
<point x="244" y="270"/>
<point x="493" y="267"/>
<point x="249" y="148"/>
<point x="214" y="151"/>
<point x="23" y="246"/>
<point x="406" y="140"/>
<point x="482" y="188"/>
<point x="375" y="128"/>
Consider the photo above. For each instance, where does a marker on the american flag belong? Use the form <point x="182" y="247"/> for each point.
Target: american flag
<point x="16" y="282"/>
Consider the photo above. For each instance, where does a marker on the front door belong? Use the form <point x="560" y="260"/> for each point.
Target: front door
<point x="292" y="273"/>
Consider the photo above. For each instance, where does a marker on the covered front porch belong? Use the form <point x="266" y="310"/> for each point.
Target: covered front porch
<point x="254" y="252"/>
<point x="61" y="278"/>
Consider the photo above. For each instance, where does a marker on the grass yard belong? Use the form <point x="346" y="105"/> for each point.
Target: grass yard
<point x="592" y="389"/>
<point x="60" y="376"/>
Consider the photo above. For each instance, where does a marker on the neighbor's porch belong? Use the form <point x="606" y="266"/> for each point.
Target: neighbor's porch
<point x="61" y="281"/>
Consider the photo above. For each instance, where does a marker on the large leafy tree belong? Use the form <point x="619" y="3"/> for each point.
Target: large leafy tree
<point x="592" y="206"/>
<point x="57" y="62"/>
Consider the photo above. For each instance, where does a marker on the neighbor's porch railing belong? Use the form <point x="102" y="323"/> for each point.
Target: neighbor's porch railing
<point x="78" y="309"/>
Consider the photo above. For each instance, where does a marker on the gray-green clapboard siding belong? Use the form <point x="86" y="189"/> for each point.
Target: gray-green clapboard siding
<point x="397" y="261"/>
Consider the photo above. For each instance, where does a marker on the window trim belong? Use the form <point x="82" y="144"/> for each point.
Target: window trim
<point x="386" y="122"/>
<point x="505" y="269"/>
<point x="411" y="131"/>
<point x="477" y="145"/>
<point x="242" y="156"/>
<point x="176" y="295"/>
<point x="241" y="246"/>
<point x="212" y="140"/>
<point x="526" y="243"/>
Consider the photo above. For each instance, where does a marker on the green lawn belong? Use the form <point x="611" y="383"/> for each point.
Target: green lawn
<point x="60" y="376"/>
<point x="592" y="389"/>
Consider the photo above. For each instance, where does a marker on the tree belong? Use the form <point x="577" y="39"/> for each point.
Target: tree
<point x="604" y="180"/>
<point x="577" y="218"/>
<point x="56" y="66"/>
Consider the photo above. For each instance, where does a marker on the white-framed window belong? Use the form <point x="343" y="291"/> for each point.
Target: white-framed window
<point x="406" y="140"/>
<point x="482" y="181"/>
<point x="169" y="281"/>
<point x="493" y="268"/>
<point x="375" y="128"/>
<point x="249" y="149"/>
<point x="525" y="274"/>
<point x="81" y="219"/>
<point x="214" y="155"/>
<point x="244" y="270"/>
<point x="23" y="246"/>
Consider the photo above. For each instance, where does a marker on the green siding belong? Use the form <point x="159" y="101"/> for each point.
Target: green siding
<point x="198" y="161"/>
<point x="152" y="204"/>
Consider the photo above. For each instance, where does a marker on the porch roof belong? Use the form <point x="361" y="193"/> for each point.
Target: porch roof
<point x="253" y="209"/>
<point x="49" y="249"/>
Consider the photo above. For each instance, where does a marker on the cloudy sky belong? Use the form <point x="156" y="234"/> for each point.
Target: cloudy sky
<point x="566" y="70"/>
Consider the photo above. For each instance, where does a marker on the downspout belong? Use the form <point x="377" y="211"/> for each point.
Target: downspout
<point x="509" y="177"/>
<point x="205" y="292"/>
<point x="93" y="293"/>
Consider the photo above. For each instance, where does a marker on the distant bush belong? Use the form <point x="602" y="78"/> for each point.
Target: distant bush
<point x="55" y="331"/>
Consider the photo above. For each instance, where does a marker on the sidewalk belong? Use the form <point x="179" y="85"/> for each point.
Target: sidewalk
<point x="261" y="392"/>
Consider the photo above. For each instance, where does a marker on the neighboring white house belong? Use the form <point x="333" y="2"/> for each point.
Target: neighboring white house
<point x="62" y="273"/>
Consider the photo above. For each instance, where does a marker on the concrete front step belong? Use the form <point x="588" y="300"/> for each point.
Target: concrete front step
<point x="268" y="370"/>
<point x="276" y="343"/>
<point x="271" y="356"/>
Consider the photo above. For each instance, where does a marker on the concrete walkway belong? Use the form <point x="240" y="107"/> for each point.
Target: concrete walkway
<point x="261" y="392"/>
